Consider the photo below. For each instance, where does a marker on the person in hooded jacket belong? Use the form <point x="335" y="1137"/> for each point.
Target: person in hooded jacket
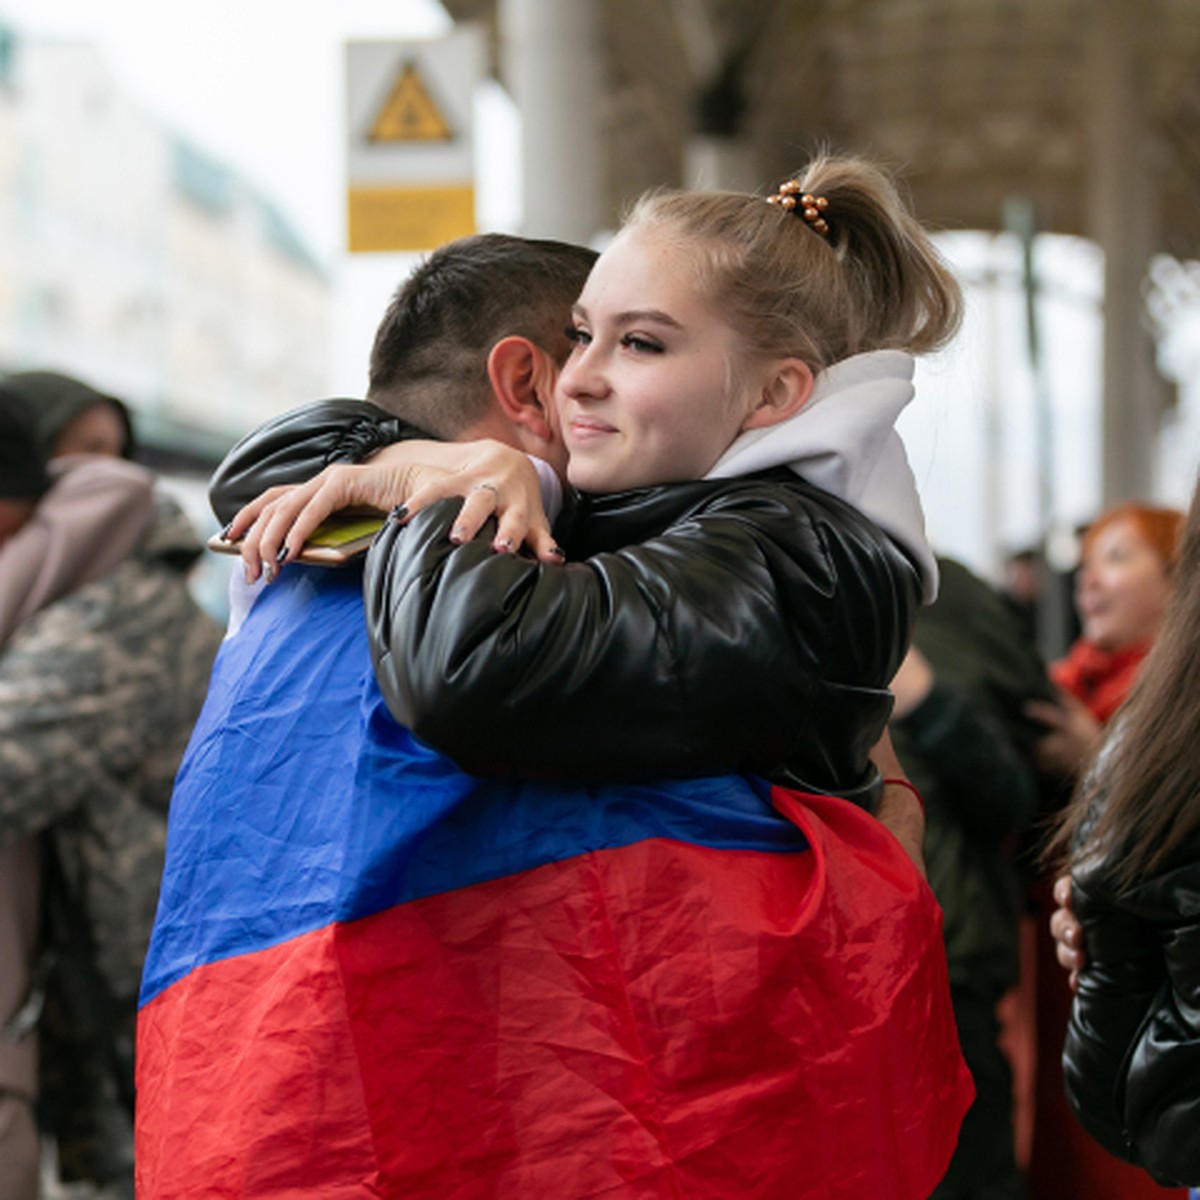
<point x="62" y="525"/>
<point x="72" y="417"/>
<point x="100" y="683"/>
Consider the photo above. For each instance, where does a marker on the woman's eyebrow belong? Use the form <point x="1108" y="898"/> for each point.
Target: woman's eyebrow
<point x="634" y="316"/>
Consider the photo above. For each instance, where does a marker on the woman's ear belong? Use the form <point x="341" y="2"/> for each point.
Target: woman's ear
<point x="785" y="392"/>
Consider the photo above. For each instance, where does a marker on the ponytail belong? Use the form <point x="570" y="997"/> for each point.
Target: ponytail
<point x="871" y="280"/>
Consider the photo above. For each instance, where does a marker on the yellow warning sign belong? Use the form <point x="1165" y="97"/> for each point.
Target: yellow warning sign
<point x="384" y="219"/>
<point x="410" y="114"/>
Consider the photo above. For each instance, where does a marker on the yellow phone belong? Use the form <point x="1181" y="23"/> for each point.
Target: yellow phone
<point x="338" y="539"/>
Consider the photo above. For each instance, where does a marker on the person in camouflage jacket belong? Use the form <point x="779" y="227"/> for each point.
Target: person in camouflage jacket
<point x="98" y="695"/>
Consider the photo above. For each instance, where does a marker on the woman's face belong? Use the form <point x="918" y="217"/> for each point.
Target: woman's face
<point x="1122" y="588"/>
<point x="98" y="429"/>
<point x="650" y="394"/>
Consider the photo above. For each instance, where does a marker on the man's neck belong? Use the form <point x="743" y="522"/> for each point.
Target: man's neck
<point x="495" y="426"/>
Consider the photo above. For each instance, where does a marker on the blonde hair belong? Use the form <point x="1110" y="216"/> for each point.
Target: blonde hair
<point x="875" y="282"/>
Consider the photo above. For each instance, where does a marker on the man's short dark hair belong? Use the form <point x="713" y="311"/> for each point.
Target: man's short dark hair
<point x="429" y="360"/>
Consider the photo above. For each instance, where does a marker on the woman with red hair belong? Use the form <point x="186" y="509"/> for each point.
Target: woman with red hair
<point x="1127" y="563"/>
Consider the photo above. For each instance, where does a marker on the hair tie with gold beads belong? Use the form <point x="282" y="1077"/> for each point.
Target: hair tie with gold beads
<point x="804" y="204"/>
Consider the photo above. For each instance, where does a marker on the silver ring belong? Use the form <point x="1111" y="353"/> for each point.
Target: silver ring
<point x="491" y="487"/>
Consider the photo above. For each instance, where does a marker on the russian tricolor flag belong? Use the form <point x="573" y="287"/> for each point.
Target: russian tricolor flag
<point x="373" y="975"/>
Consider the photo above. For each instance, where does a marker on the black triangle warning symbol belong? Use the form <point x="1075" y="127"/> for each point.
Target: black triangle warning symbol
<point x="409" y="114"/>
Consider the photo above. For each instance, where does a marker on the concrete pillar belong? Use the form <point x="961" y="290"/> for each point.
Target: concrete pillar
<point x="1124" y="199"/>
<point x="551" y="53"/>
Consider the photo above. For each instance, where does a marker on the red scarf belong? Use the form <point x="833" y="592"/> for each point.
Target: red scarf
<point x="1100" y="678"/>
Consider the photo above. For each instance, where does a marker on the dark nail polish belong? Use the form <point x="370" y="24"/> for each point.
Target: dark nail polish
<point x="226" y="532"/>
<point x="399" y="512"/>
<point x="557" y="552"/>
<point x="281" y="554"/>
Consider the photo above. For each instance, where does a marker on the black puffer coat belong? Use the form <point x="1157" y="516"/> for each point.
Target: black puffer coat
<point x="736" y="625"/>
<point x="1131" y="1063"/>
<point x="730" y="625"/>
<point x="294" y="446"/>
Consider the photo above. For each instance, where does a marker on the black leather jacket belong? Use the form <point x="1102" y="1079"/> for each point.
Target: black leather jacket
<point x="293" y="447"/>
<point x="734" y="625"/>
<point x="1131" y="1063"/>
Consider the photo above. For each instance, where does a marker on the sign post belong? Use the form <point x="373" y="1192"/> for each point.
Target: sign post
<point x="409" y="112"/>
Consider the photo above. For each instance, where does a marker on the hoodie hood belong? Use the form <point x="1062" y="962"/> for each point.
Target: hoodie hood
<point x="55" y="400"/>
<point x="844" y="440"/>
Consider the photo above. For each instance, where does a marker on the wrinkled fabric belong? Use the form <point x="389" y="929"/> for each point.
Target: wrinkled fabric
<point x="375" y="975"/>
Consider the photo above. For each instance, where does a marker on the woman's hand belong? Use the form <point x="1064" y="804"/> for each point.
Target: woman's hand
<point x="1067" y="932"/>
<point x="1071" y="733"/>
<point x="495" y="480"/>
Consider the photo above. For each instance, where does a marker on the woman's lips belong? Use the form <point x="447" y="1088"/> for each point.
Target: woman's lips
<point x="583" y="428"/>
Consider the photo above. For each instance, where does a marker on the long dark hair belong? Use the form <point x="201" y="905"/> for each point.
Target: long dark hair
<point x="1138" y="803"/>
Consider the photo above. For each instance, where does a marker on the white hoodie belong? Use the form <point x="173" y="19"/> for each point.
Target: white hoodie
<point x="844" y="440"/>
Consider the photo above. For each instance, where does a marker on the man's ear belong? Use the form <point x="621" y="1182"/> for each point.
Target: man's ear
<point x="522" y="377"/>
<point x="786" y="391"/>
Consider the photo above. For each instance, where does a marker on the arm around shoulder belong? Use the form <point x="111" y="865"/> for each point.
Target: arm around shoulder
<point x="698" y="649"/>
<point x="295" y="446"/>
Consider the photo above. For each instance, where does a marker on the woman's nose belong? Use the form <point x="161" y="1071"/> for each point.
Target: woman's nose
<point x="1085" y="577"/>
<point x="581" y="376"/>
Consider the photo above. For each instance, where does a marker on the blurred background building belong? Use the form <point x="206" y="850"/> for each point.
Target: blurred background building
<point x="142" y="263"/>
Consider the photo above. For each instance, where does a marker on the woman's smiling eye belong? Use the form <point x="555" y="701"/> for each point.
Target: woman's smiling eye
<point x="577" y="336"/>
<point x="643" y="345"/>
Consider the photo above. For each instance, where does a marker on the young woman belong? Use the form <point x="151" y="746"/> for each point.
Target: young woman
<point x="1131" y="1064"/>
<point x="726" y="603"/>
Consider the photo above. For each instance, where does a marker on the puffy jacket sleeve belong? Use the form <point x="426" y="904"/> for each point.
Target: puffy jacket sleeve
<point x="294" y="447"/>
<point x="709" y="643"/>
<point x="1131" y="1060"/>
